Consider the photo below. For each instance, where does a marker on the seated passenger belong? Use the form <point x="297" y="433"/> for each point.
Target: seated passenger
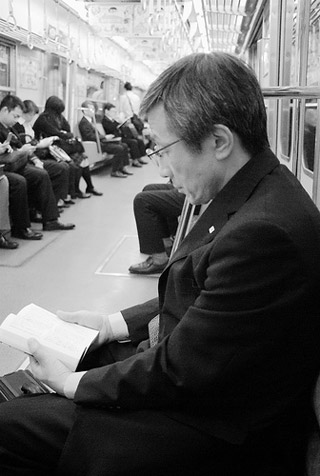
<point x="51" y="122"/>
<point x="156" y="211"/>
<point x="19" y="217"/>
<point x="5" y="226"/>
<point x="218" y="373"/>
<point x="58" y="171"/>
<point x="120" y="160"/>
<point x="135" y="143"/>
<point x="20" y="159"/>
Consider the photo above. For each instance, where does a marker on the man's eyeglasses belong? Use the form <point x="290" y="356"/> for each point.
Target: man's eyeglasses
<point x="156" y="154"/>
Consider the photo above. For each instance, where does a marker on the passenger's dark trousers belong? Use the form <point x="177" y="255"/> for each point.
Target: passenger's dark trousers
<point x="59" y="176"/>
<point x="18" y="201"/>
<point x="120" y="152"/>
<point x="35" y="432"/>
<point x="40" y="192"/>
<point x="74" y="178"/>
<point x="85" y="173"/>
<point x="156" y="211"/>
<point x="136" y="147"/>
<point x="48" y="435"/>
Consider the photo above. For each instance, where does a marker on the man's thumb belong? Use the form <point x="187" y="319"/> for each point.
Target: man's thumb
<point x="33" y="345"/>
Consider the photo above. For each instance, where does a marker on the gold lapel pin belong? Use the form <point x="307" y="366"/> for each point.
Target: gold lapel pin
<point x="211" y="229"/>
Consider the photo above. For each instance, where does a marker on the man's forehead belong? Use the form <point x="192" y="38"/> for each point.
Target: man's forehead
<point x="158" y="122"/>
<point x="16" y="111"/>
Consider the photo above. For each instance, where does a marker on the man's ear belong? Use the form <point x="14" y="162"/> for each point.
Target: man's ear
<point x="224" y="141"/>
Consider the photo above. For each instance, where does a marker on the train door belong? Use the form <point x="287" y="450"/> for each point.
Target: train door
<point x="308" y="163"/>
<point x="263" y="49"/>
<point x="56" y="74"/>
<point x="305" y="164"/>
<point x="288" y="107"/>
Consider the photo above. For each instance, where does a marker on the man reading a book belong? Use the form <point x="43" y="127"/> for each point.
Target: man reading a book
<point x="218" y="372"/>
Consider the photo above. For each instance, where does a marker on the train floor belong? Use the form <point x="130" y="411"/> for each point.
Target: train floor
<point x="86" y="268"/>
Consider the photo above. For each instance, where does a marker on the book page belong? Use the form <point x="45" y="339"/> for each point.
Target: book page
<point x="68" y="341"/>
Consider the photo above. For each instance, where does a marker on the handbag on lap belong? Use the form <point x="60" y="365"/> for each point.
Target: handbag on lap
<point x="21" y="382"/>
<point x="59" y="154"/>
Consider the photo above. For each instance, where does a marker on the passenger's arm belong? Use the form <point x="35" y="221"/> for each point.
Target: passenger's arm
<point x="87" y="131"/>
<point x="111" y="327"/>
<point x="44" y="127"/>
<point x="215" y="342"/>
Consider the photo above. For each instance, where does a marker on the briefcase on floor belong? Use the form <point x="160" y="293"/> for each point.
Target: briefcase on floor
<point x="21" y="382"/>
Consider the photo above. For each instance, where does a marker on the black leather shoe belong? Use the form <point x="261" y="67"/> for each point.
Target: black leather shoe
<point x="57" y="225"/>
<point x="147" y="267"/>
<point x="82" y="195"/>
<point x="26" y="234"/>
<point x="126" y="171"/>
<point x="93" y="191"/>
<point x="6" y="244"/>
<point x="143" y="162"/>
<point x="136" y="163"/>
<point x="118" y="174"/>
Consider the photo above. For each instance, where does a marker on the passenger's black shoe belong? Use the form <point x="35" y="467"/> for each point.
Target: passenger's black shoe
<point x="118" y="174"/>
<point x="126" y="171"/>
<point x="143" y="162"/>
<point x="93" y="191"/>
<point x="6" y="244"/>
<point x="147" y="267"/>
<point x="26" y="234"/>
<point x="136" y="163"/>
<point x="57" y="225"/>
<point x="82" y="195"/>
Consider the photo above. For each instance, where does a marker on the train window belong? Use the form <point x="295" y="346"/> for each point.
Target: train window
<point x="6" y="68"/>
<point x="312" y="79"/>
<point x="313" y="45"/>
<point x="309" y="136"/>
<point x="287" y="76"/>
<point x="286" y="127"/>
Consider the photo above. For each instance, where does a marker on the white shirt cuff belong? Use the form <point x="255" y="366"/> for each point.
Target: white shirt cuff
<point x="118" y="326"/>
<point x="71" y="384"/>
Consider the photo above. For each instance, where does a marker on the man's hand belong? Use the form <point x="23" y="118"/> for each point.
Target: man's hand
<point x="28" y="148"/>
<point x="46" y="368"/>
<point x="46" y="142"/>
<point x="37" y="162"/>
<point x="5" y="147"/>
<point x="94" y="320"/>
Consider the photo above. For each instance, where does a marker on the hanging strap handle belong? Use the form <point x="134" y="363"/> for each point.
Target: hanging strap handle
<point x="130" y="104"/>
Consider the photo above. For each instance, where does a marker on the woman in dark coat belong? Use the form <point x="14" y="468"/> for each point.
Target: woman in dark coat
<point x="52" y="122"/>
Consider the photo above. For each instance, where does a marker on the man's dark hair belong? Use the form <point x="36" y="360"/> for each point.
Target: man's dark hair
<point x="202" y="90"/>
<point x="108" y="106"/>
<point x="11" y="102"/>
<point x="128" y="86"/>
<point x="54" y="105"/>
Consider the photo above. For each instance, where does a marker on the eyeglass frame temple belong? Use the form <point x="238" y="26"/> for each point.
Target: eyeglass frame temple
<point x="163" y="148"/>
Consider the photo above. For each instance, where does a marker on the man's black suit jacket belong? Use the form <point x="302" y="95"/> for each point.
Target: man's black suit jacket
<point x="239" y="314"/>
<point x="87" y="130"/>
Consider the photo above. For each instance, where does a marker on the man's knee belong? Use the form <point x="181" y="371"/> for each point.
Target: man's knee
<point x="140" y="201"/>
<point x="17" y="183"/>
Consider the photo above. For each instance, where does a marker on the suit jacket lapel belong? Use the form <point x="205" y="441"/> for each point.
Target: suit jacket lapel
<point x="228" y="201"/>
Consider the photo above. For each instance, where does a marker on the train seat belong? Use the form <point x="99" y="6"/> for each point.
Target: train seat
<point x="94" y="156"/>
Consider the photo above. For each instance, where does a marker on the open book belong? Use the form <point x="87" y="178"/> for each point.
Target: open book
<point x="68" y="342"/>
